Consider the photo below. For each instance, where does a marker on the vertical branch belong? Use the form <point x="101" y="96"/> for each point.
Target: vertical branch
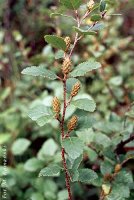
<point x="63" y="150"/>
<point x="68" y="185"/>
<point x="67" y="174"/>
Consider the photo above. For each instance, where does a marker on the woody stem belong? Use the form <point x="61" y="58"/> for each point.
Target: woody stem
<point x="68" y="186"/>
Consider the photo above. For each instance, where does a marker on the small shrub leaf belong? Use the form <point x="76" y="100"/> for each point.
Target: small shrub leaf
<point x="102" y="5"/>
<point x="39" y="71"/>
<point x="20" y="146"/>
<point x="95" y="17"/>
<point x="73" y="147"/>
<point x="33" y="164"/>
<point x="85" y="67"/>
<point x="87" y="176"/>
<point x="51" y="170"/>
<point x="84" y="32"/>
<point x="56" y="42"/>
<point x="85" y="104"/>
<point x="71" y="4"/>
<point x="41" y="114"/>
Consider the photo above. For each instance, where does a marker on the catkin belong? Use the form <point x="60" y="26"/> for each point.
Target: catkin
<point x="56" y="105"/>
<point x="66" y="66"/>
<point x="75" y="89"/>
<point x="117" y="168"/>
<point x="72" y="123"/>
<point x="68" y="42"/>
<point x="90" y="5"/>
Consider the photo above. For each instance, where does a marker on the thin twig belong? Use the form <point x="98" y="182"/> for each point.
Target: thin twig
<point x="120" y="147"/>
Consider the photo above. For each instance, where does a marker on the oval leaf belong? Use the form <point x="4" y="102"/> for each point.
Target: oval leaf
<point x="51" y="170"/>
<point x="85" y="67"/>
<point x="20" y="146"/>
<point x="71" y="4"/>
<point x="95" y="17"/>
<point x="41" y="114"/>
<point x="102" y="5"/>
<point x="56" y="42"/>
<point x="84" y="32"/>
<point x="87" y="176"/>
<point x="33" y="164"/>
<point x="85" y="104"/>
<point x="39" y="71"/>
<point x="73" y="147"/>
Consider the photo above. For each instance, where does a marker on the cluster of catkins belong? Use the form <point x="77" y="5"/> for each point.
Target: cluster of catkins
<point x="66" y="69"/>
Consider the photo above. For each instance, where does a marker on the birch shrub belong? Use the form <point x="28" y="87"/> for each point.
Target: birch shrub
<point x="84" y="150"/>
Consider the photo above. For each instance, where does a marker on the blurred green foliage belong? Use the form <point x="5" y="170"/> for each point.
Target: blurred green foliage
<point x="30" y="147"/>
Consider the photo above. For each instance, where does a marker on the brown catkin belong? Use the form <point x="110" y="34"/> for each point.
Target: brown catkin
<point x="117" y="168"/>
<point x="75" y="89"/>
<point x="66" y="66"/>
<point x="56" y="105"/>
<point x="68" y="42"/>
<point x="72" y="123"/>
<point x="90" y="5"/>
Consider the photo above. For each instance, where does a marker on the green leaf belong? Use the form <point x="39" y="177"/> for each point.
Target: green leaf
<point x="85" y="67"/>
<point x="87" y="176"/>
<point x="56" y="42"/>
<point x="97" y="27"/>
<point x="20" y="146"/>
<point x="33" y="164"/>
<point x="50" y="189"/>
<point x="85" y="122"/>
<point x="74" y="175"/>
<point x="41" y="114"/>
<point x="71" y="4"/>
<point x="60" y="14"/>
<point x="49" y="148"/>
<point x="95" y="7"/>
<point x="102" y="139"/>
<point x="119" y="192"/>
<point x="116" y="81"/>
<point x="114" y="197"/>
<point x="73" y="169"/>
<point x="108" y="127"/>
<point x="84" y="32"/>
<point x="95" y="17"/>
<point x="39" y="71"/>
<point x="70" y="83"/>
<point x="63" y="195"/>
<point x="102" y="5"/>
<point x="75" y="163"/>
<point x="51" y="170"/>
<point x="37" y="196"/>
<point x="92" y="155"/>
<point x="124" y="177"/>
<point x="85" y="104"/>
<point x="4" y="137"/>
<point x="73" y="147"/>
<point x="59" y="54"/>
<point x="106" y="167"/>
<point x="87" y="136"/>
